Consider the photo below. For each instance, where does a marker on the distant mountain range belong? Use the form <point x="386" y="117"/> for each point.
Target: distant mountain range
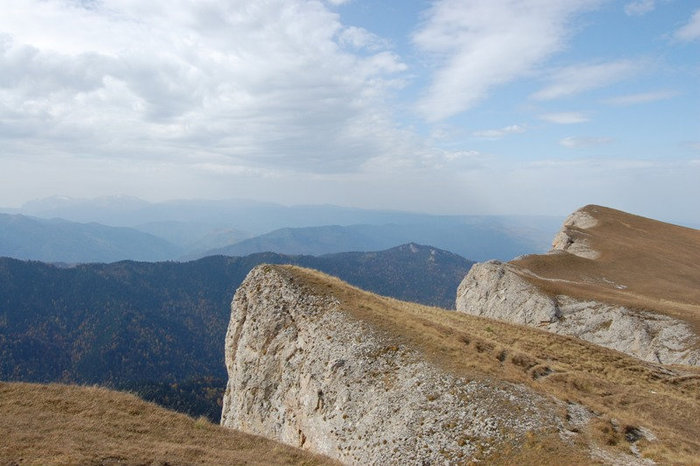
<point x="253" y="217"/>
<point x="482" y="240"/>
<point x="146" y="326"/>
<point x="57" y="240"/>
<point x="132" y="229"/>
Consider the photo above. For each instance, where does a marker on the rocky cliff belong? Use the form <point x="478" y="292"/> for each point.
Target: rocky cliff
<point x="500" y="291"/>
<point x="315" y="363"/>
<point x="611" y="278"/>
<point x="304" y="371"/>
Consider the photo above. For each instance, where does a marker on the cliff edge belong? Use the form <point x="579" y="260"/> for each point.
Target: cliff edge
<point x="618" y="280"/>
<point x="318" y="364"/>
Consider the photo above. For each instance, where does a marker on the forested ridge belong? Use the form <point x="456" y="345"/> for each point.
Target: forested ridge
<point x="158" y="328"/>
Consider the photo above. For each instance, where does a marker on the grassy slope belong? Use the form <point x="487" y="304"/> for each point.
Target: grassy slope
<point x="62" y="424"/>
<point x="657" y="263"/>
<point x="616" y="386"/>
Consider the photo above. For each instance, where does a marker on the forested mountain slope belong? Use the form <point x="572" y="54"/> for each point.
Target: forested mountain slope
<point x="158" y="328"/>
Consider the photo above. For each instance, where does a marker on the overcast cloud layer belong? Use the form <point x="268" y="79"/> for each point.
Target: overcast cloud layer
<point x="479" y="106"/>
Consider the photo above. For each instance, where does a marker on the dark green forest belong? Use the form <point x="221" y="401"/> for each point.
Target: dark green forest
<point x="158" y="328"/>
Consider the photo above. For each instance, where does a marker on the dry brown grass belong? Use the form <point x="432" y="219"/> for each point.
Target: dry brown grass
<point x="657" y="263"/>
<point x="70" y="425"/>
<point x="635" y="393"/>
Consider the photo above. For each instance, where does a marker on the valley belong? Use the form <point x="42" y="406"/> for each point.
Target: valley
<point x="157" y="328"/>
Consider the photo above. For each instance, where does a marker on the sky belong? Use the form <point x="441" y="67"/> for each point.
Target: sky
<point x="444" y="106"/>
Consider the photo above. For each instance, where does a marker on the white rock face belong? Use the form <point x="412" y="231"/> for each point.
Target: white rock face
<point x="492" y="289"/>
<point x="305" y="372"/>
<point x="575" y="241"/>
<point x="496" y="290"/>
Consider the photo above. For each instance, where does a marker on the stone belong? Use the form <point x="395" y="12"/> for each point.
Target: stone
<point x="502" y="291"/>
<point x="492" y="289"/>
<point x="572" y="237"/>
<point x="304" y="371"/>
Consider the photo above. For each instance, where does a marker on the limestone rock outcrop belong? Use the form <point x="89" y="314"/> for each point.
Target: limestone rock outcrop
<point x="601" y="261"/>
<point x="493" y="289"/>
<point x="304" y="371"/>
<point x="572" y="238"/>
<point x="499" y="291"/>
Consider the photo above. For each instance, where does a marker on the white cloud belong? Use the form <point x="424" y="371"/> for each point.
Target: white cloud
<point x="582" y="142"/>
<point x="690" y="31"/>
<point x="575" y="79"/>
<point x="361" y="38"/>
<point x="565" y="118"/>
<point x="639" y="7"/>
<point x="279" y="100"/>
<point x="641" y="98"/>
<point x="499" y="133"/>
<point x="481" y="44"/>
<point x="270" y="84"/>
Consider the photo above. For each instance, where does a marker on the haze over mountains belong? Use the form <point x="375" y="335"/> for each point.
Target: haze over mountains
<point x="189" y="229"/>
<point x="57" y="240"/>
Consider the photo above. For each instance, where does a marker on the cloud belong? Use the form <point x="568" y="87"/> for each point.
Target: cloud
<point x="499" y="133"/>
<point x="360" y="38"/>
<point x="481" y="44"/>
<point x="639" y="7"/>
<point x="691" y="31"/>
<point x="575" y="79"/>
<point x="641" y="98"/>
<point x="583" y="142"/>
<point x="565" y="118"/>
<point x="281" y="84"/>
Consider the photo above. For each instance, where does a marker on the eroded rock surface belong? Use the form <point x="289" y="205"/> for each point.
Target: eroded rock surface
<point x="304" y="371"/>
<point x="492" y="289"/>
<point x="498" y="290"/>
<point x="572" y="238"/>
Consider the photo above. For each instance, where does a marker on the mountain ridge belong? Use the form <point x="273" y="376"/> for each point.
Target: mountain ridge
<point x="613" y="278"/>
<point x="58" y="240"/>
<point x="474" y="240"/>
<point x="310" y="357"/>
<point x="148" y="326"/>
<point x="198" y="226"/>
